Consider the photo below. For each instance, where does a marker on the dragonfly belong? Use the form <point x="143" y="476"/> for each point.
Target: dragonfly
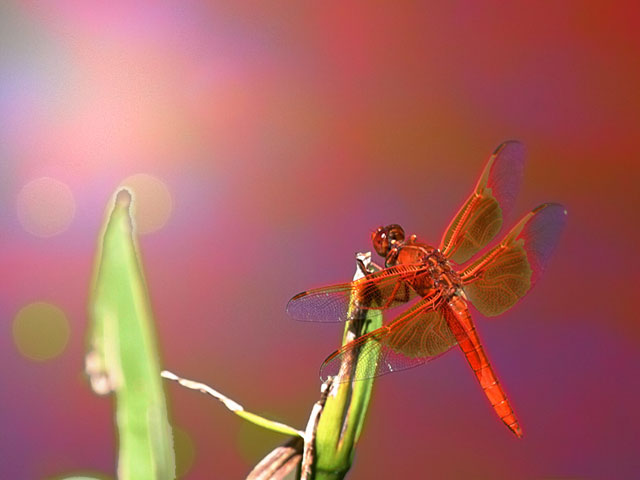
<point x="438" y="283"/>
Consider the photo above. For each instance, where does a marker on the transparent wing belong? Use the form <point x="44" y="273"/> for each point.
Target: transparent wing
<point x="417" y="336"/>
<point x="380" y="290"/>
<point x="481" y="217"/>
<point x="496" y="281"/>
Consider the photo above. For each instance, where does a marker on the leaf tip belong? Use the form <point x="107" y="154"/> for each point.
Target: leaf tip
<point x="123" y="197"/>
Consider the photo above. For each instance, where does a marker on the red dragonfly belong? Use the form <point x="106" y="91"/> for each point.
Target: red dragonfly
<point x="440" y="318"/>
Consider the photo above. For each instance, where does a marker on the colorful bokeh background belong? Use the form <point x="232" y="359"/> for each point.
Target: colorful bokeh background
<point x="265" y="141"/>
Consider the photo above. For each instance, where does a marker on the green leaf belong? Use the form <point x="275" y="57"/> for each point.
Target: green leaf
<point x="124" y="356"/>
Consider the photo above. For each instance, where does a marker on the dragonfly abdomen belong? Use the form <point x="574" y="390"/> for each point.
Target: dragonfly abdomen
<point x="462" y="326"/>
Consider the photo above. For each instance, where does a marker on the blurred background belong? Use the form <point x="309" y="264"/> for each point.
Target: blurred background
<point x="265" y="142"/>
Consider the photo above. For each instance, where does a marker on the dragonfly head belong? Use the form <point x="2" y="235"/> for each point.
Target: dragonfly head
<point x="384" y="238"/>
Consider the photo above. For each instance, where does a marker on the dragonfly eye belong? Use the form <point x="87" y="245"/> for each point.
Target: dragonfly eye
<point x="380" y="241"/>
<point x="384" y="238"/>
<point x="395" y="233"/>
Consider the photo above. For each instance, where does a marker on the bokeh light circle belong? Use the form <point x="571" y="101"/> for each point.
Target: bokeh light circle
<point x="41" y="331"/>
<point x="152" y="205"/>
<point x="45" y="207"/>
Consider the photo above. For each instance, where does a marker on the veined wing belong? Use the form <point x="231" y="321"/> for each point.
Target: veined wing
<point x="415" y="337"/>
<point x="496" y="281"/>
<point x="480" y="218"/>
<point x="379" y="290"/>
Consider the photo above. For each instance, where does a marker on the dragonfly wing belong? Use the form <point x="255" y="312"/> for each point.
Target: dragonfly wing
<point x="380" y="290"/>
<point x="417" y="336"/>
<point x="480" y="218"/>
<point x="496" y="281"/>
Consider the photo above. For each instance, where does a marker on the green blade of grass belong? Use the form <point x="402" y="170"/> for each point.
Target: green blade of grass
<point x="124" y="356"/>
<point x="343" y="416"/>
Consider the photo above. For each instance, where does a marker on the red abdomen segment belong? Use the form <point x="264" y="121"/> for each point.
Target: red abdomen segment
<point x="460" y="323"/>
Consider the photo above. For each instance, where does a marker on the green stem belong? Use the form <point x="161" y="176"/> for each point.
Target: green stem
<point x="343" y="416"/>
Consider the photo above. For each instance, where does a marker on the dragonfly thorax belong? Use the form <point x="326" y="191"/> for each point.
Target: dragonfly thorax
<point x="438" y="273"/>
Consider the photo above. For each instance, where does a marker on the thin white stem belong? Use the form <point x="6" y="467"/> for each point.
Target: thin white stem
<point x="232" y="405"/>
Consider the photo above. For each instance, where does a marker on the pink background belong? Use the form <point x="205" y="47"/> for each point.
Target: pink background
<point x="286" y="133"/>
